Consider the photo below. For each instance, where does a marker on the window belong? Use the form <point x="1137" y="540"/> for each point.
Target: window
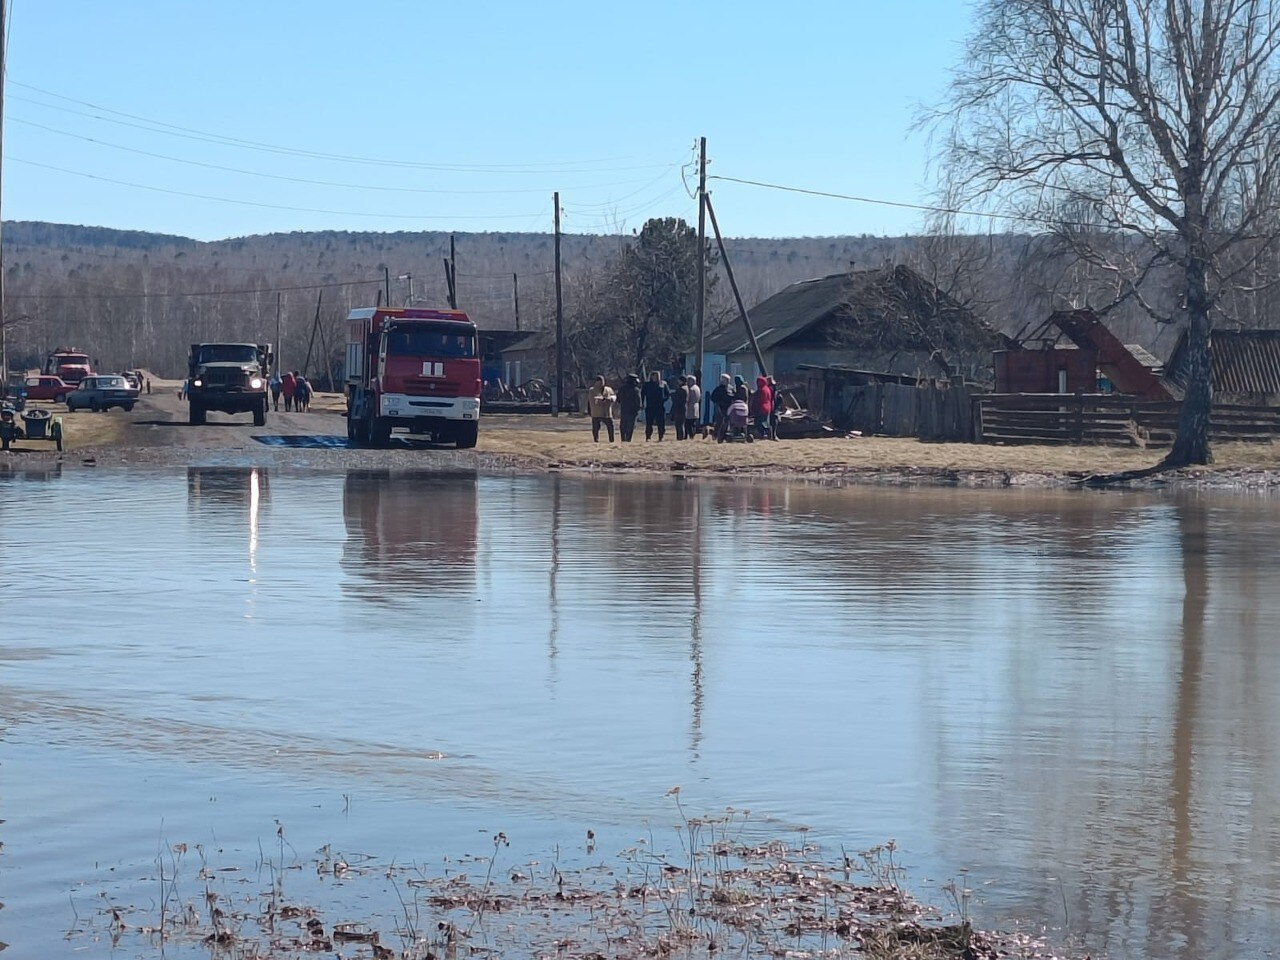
<point x="426" y="341"/>
<point x="227" y="353"/>
<point x="35" y="382"/>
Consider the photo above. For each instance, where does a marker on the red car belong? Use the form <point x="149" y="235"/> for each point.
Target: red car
<point x="46" y="387"/>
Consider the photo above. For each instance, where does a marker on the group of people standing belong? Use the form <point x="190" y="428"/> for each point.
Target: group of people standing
<point x="731" y="403"/>
<point x="296" y="390"/>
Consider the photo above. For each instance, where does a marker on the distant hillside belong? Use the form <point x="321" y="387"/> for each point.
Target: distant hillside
<point x="78" y="285"/>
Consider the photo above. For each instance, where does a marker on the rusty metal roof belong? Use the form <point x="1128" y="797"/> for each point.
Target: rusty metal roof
<point x="1244" y="363"/>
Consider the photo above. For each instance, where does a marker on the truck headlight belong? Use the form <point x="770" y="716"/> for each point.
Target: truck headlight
<point x="255" y="383"/>
<point x="196" y="383"/>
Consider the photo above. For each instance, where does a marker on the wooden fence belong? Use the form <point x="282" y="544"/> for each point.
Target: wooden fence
<point x="1108" y="419"/>
<point x="900" y="410"/>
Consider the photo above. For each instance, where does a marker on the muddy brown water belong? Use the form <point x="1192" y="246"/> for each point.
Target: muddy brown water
<point x="1069" y="702"/>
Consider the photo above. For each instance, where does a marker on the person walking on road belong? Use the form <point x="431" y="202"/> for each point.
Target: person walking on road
<point x="679" y="400"/>
<point x="629" y="403"/>
<point x="600" y="406"/>
<point x="693" y="407"/>
<point x="287" y="386"/>
<point x="301" y="393"/>
<point x="655" y="395"/>
<point x="275" y="391"/>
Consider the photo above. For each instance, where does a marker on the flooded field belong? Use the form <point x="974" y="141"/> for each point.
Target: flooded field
<point x="1069" y="703"/>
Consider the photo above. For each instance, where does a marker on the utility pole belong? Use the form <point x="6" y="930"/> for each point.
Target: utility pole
<point x="277" y="364"/>
<point x="702" y="258"/>
<point x="409" y="277"/>
<point x="453" y="274"/>
<point x="315" y="326"/>
<point x="558" y="395"/>
<point x="728" y="269"/>
<point x="515" y="296"/>
<point x="4" y="329"/>
<point x="386" y="280"/>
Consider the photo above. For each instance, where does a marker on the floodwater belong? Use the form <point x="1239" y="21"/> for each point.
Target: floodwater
<point x="1069" y="701"/>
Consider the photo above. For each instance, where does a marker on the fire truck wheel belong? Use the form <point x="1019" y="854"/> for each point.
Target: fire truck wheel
<point x="466" y="435"/>
<point x="196" y="418"/>
<point x="379" y="433"/>
<point x="260" y="414"/>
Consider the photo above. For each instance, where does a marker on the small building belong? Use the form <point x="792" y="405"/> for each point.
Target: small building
<point x="1244" y="367"/>
<point x="1046" y="368"/>
<point x="491" y="344"/>
<point x="1073" y="351"/>
<point x="532" y="357"/>
<point x="889" y="320"/>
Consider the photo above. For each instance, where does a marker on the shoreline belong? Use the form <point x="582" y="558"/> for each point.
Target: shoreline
<point x="156" y="435"/>
<point x="339" y="459"/>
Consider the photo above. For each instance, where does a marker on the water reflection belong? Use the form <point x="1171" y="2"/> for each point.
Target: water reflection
<point x="1072" y="696"/>
<point x="231" y="490"/>
<point x="409" y="534"/>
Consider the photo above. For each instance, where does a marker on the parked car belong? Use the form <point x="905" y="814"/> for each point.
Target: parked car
<point x="102" y="393"/>
<point x="48" y="388"/>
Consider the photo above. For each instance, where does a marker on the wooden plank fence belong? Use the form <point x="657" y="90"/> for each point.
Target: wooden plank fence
<point x="1108" y="419"/>
<point x="901" y="410"/>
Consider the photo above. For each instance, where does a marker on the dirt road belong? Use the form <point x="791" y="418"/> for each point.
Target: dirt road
<point x="156" y="433"/>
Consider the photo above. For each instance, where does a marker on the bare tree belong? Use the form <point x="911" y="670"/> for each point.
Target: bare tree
<point x="1155" y="119"/>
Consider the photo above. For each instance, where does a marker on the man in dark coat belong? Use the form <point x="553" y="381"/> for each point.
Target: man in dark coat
<point x="656" y="396"/>
<point x="721" y="397"/>
<point x="679" y="400"/>
<point x="629" y="401"/>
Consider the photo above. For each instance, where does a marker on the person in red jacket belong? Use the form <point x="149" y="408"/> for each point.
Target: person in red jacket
<point x="762" y="405"/>
<point x="287" y="386"/>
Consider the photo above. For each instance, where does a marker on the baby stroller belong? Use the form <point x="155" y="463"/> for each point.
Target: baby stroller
<point x="737" y="424"/>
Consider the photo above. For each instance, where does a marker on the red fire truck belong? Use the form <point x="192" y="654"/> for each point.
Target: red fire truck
<point x="71" y="365"/>
<point x="415" y="369"/>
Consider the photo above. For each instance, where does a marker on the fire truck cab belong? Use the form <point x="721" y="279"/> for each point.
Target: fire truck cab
<point x="414" y="369"/>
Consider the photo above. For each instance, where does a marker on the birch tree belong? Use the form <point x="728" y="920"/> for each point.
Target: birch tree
<point x="1152" y="119"/>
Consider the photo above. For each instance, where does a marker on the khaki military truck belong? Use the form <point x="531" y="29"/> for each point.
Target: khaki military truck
<point x="228" y="378"/>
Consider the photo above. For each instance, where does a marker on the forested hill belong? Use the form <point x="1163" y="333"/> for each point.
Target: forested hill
<point x="132" y="297"/>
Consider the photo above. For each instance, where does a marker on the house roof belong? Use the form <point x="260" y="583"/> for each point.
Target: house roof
<point x="1144" y="356"/>
<point x="1241" y="362"/>
<point x="538" y="340"/>
<point x="873" y="302"/>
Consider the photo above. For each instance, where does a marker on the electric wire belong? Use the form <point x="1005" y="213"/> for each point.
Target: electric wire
<point x="156" y="295"/>
<point x="323" y="183"/>
<point x="267" y="206"/>
<point x="928" y="208"/>
<point x="160" y="126"/>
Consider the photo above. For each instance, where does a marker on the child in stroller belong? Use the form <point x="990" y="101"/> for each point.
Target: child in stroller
<point x="737" y="419"/>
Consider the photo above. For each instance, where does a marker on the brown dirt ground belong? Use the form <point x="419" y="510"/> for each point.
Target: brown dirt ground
<point x="156" y="432"/>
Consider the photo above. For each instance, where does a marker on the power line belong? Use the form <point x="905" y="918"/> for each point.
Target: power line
<point x="160" y="126"/>
<point x="928" y="208"/>
<point x="321" y="183"/>
<point x="268" y="206"/>
<point x="193" y="293"/>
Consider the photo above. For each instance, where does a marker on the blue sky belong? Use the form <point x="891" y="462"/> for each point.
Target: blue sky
<point x="484" y="108"/>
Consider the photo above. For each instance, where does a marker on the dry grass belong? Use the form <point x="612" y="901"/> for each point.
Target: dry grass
<point x="82" y="428"/>
<point x="574" y="448"/>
